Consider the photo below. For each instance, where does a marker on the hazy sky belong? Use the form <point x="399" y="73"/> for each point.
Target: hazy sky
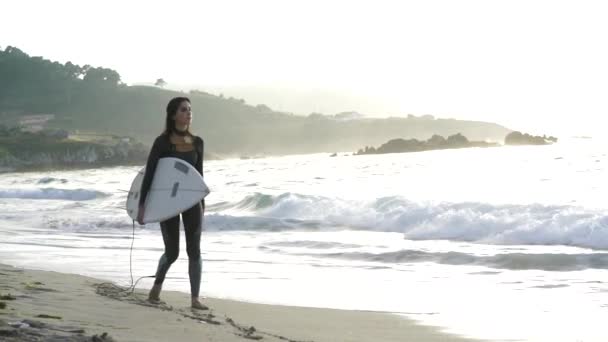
<point x="532" y="65"/>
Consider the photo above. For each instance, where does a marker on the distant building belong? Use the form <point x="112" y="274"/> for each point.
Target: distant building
<point x="345" y="116"/>
<point x="34" y="122"/>
<point x="423" y="117"/>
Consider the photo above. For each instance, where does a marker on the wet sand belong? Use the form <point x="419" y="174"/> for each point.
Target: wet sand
<point x="50" y="306"/>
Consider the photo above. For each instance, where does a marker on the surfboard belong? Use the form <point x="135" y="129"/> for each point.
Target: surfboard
<point x="176" y="187"/>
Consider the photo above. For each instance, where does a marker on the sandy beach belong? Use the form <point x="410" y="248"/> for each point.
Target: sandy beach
<point x="51" y="306"/>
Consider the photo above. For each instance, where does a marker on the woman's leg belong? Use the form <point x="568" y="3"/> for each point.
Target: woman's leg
<point x="170" y="231"/>
<point x="193" y="222"/>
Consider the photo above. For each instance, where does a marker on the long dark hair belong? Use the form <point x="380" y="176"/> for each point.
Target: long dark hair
<point x="172" y="108"/>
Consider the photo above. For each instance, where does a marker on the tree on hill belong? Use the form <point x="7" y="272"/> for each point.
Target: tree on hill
<point x="160" y="83"/>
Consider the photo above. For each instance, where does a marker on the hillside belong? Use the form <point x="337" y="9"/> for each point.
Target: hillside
<point x="93" y="99"/>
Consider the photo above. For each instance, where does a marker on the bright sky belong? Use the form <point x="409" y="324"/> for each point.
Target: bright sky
<point x="532" y="65"/>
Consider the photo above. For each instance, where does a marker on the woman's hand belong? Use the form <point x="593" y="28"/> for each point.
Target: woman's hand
<point x="140" y="214"/>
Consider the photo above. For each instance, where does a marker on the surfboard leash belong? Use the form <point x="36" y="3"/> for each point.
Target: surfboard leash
<point x="131" y="287"/>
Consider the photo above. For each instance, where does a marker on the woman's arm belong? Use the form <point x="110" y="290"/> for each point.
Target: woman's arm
<point x="155" y="153"/>
<point x="201" y="151"/>
<point x="199" y="162"/>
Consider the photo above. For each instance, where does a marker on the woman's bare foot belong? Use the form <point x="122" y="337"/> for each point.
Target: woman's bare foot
<point x="196" y="304"/>
<point x="154" y="295"/>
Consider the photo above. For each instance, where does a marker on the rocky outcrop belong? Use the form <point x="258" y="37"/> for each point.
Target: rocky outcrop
<point x="518" y="138"/>
<point x="62" y="154"/>
<point x="436" y="142"/>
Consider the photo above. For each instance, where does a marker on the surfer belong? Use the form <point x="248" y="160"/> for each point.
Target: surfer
<point x="177" y="141"/>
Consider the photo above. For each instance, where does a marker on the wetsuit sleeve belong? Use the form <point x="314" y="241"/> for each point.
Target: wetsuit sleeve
<point x="153" y="157"/>
<point x="199" y="161"/>
<point x="201" y="152"/>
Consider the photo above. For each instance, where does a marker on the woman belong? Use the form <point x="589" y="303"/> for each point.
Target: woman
<point x="177" y="141"/>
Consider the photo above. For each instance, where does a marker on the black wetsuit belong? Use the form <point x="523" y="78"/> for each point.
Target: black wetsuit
<point x="192" y="218"/>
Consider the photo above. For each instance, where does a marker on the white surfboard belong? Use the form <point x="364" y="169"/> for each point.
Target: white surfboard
<point x="176" y="187"/>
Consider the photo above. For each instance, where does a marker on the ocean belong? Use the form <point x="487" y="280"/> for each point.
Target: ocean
<point x="507" y="243"/>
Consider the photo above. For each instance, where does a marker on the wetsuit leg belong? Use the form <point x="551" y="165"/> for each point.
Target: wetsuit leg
<point x="193" y="227"/>
<point x="170" y="230"/>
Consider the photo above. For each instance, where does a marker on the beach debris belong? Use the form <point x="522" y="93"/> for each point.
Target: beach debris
<point x="103" y="338"/>
<point x="36" y="286"/>
<point x="48" y="316"/>
<point x="42" y="325"/>
<point x="7" y="297"/>
<point x="8" y="332"/>
<point x="34" y="324"/>
<point x="19" y="324"/>
<point x="30" y="330"/>
<point x="248" y="333"/>
<point x="205" y="318"/>
<point x="32" y="283"/>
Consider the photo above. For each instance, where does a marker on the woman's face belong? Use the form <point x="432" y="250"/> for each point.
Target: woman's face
<point x="183" y="116"/>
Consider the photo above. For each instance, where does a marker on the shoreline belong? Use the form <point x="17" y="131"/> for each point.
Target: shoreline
<point x="88" y="166"/>
<point x="79" y="308"/>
